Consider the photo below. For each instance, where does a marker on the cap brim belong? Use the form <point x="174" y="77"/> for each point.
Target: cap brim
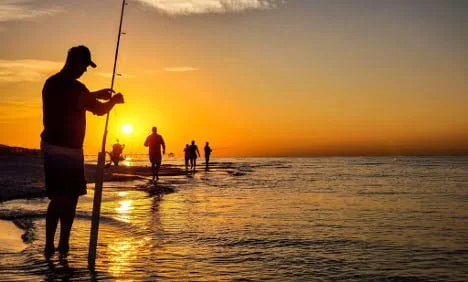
<point x="92" y="64"/>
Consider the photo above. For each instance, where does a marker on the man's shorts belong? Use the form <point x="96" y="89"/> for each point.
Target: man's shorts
<point x="155" y="159"/>
<point x="64" y="171"/>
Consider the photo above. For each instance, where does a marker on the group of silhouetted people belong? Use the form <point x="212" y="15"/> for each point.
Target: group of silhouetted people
<point x="191" y="153"/>
<point x="155" y="142"/>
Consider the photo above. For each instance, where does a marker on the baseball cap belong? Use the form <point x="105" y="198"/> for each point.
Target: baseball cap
<point x="82" y="54"/>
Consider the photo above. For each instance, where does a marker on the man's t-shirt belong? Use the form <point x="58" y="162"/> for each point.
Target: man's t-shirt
<point x="154" y="142"/>
<point x="193" y="151"/>
<point x="207" y="150"/>
<point x="64" y="121"/>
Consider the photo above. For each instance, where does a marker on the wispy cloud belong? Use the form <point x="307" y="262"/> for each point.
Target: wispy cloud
<point x="26" y="70"/>
<point x="13" y="10"/>
<point x="180" y="69"/>
<point x="14" y="109"/>
<point x="185" y="7"/>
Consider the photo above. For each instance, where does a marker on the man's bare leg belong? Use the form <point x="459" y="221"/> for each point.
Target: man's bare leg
<point x="157" y="171"/>
<point x="66" y="221"/>
<point x="52" y="218"/>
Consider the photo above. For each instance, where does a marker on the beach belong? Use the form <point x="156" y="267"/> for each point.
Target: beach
<point x="22" y="177"/>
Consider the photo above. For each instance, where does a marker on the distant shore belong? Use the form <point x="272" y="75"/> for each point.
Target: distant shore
<point x="22" y="173"/>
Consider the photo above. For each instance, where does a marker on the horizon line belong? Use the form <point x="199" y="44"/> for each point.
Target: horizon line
<point x="432" y="154"/>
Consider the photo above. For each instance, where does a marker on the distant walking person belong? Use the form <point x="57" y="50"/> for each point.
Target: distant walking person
<point x="193" y="152"/>
<point x="155" y="142"/>
<point x="65" y="101"/>
<point x="207" y="154"/>
<point x="186" y="156"/>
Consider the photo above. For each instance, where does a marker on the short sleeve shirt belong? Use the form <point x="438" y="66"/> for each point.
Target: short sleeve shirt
<point x="155" y="141"/>
<point x="64" y="120"/>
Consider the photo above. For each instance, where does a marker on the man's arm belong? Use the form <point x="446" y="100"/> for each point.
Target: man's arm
<point x="90" y="103"/>
<point x="163" y="145"/>
<point x="103" y="94"/>
<point x="147" y="141"/>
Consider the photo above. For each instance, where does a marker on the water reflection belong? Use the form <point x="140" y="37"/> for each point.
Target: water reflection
<point x="120" y="253"/>
<point x="267" y="226"/>
<point x="122" y="193"/>
<point x="127" y="162"/>
<point x="123" y="210"/>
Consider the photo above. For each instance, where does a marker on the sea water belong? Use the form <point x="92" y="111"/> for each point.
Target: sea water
<point x="275" y="219"/>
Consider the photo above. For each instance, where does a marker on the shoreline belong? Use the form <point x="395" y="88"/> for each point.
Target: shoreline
<point x="22" y="175"/>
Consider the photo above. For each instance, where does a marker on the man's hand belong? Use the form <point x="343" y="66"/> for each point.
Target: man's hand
<point x="104" y="94"/>
<point x="118" y="98"/>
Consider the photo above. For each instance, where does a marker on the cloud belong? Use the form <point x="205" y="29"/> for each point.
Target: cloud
<point x="27" y="70"/>
<point x="13" y="10"/>
<point x="185" y="7"/>
<point x="180" y="69"/>
<point x="12" y="109"/>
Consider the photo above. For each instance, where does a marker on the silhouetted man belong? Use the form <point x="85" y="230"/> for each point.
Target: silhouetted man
<point x="193" y="152"/>
<point x="116" y="153"/>
<point x="155" y="142"/>
<point x="65" y="101"/>
<point x="207" y="154"/>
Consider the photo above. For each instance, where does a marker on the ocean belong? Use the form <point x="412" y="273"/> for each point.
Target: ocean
<point x="267" y="219"/>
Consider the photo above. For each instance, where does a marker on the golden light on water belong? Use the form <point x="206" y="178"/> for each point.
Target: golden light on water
<point x="127" y="161"/>
<point x="121" y="251"/>
<point x="124" y="209"/>
<point x="123" y="254"/>
<point x="127" y="128"/>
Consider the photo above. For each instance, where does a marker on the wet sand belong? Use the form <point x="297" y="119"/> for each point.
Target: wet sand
<point x="22" y="175"/>
<point x="10" y="237"/>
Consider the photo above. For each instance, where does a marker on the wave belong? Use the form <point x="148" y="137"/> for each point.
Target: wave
<point x="280" y="242"/>
<point x="386" y="193"/>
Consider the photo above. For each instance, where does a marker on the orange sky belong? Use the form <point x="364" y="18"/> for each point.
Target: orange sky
<point x="293" y="78"/>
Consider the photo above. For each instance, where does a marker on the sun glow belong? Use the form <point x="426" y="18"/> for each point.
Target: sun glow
<point x="127" y="128"/>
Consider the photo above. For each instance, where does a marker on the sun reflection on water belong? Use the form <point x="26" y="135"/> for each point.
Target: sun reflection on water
<point x="124" y="210"/>
<point x="127" y="162"/>
<point x="123" y="254"/>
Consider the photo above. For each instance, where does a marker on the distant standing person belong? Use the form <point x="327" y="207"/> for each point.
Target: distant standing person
<point x="193" y="152"/>
<point x="207" y="154"/>
<point x="65" y="101"/>
<point x="155" y="142"/>
<point x="186" y="156"/>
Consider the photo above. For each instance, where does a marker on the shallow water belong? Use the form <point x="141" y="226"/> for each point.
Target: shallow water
<point x="277" y="219"/>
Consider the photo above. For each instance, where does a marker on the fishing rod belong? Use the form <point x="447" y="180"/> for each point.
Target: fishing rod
<point x="93" y="237"/>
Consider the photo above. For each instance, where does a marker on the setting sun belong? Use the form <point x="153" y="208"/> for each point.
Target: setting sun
<point x="127" y="128"/>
